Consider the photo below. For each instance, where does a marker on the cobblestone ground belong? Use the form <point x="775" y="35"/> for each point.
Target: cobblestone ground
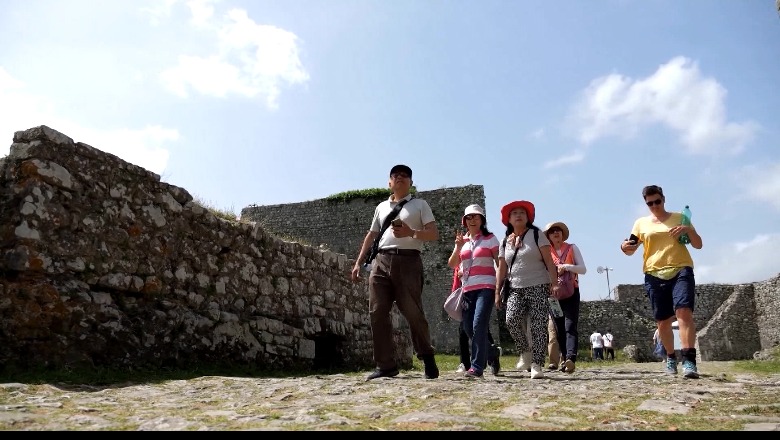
<point x="623" y="397"/>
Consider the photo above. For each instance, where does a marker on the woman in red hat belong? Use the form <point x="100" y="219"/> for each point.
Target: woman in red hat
<point x="524" y="258"/>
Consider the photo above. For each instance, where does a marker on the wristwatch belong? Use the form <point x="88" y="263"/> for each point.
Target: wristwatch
<point x="415" y="234"/>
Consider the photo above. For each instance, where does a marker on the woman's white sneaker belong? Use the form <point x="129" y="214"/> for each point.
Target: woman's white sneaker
<point x="524" y="364"/>
<point x="536" y="372"/>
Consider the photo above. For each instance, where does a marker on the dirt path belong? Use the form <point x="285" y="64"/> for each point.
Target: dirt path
<point x="623" y="397"/>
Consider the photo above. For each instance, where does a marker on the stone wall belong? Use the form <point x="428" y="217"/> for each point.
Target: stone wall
<point x="630" y="317"/>
<point x="101" y="264"/>
<point x="732" y="321"/>
<point x="342" y="226"/>
<point x="766" y="295"/>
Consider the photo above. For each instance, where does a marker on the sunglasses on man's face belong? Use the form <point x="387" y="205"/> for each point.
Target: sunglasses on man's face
<point x="654" y="202"/>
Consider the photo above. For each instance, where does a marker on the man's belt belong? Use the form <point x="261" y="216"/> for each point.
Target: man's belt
<point x="396" y="251"/>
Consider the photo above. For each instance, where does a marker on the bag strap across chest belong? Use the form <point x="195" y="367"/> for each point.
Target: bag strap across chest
<point x="562" y="259"/>
<point x="536" y="240"/>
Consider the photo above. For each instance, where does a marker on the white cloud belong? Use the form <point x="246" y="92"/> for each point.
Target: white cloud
<point x="676" y="96"/>
<point x="202" y="11"/>
<point x="250" y="60"/>
<point x="159" y="10"/>
<point x="538" y="134"/>
<point x="742" y="262"/>
<point x="208" y="76"/>
<point x="760" y="182"/>
<point x="568" y="159"/>
<point x="22" y="110"/>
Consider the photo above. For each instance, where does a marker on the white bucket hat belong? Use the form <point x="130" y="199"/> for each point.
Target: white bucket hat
<point x="472" y="209"/>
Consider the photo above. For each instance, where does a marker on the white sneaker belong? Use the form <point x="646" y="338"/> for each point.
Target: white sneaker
<point x="461" y="368"/>
<point x="524" y="364"/>
<point x="536" y="372"/>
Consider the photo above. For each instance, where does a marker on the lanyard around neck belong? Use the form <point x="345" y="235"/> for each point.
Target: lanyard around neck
<point x="474" y="246"/>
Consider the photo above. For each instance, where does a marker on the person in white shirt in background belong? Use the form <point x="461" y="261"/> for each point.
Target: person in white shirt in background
<point x="609" y="350"/>
<point x="597" y="345"/>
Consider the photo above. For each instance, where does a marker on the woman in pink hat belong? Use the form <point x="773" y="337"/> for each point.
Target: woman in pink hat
<point x="475" y="257"/>
<point x="524" y="258"/>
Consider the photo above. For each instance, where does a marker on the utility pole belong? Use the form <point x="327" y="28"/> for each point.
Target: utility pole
<point x="606" y="270"/>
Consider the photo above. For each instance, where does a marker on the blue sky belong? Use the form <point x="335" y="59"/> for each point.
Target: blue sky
<point x="573" y="105"/>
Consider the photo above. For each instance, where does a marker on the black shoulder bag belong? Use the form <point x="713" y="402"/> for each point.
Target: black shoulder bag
<point x="505" y="286"/>
<point x="385" y="224"/>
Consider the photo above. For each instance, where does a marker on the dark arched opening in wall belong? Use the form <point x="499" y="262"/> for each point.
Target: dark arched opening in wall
<point x="328" y="352"/>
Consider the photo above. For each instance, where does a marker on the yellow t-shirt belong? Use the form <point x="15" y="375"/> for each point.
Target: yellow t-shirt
<point x="663" y="255"/>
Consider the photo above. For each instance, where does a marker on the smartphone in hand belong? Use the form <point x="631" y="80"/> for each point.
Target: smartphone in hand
<point x="397" y="223"/>
<point x="633" y="239"/>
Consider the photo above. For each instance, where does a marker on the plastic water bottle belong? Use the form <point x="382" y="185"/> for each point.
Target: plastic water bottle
<point x="686" y="221"/>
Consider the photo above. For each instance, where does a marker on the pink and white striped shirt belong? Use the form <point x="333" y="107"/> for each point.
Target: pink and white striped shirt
<point x="480" y="269"/>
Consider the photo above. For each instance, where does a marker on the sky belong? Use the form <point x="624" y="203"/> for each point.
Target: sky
<point x="573" y="105"/>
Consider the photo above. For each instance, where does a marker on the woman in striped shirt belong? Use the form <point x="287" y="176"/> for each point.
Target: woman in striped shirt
<point x="475" y="256"/>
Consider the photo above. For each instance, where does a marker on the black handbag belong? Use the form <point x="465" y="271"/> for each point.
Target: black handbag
<point x="372" y="253"/>
<point x="505" y="285"/>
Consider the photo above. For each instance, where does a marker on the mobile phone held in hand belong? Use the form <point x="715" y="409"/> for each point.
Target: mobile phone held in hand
<point x="397" y="223"/>
<point x="633" y="239"/>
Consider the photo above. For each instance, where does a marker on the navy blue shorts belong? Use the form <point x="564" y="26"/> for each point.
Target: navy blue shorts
<point x="666" y="296"/>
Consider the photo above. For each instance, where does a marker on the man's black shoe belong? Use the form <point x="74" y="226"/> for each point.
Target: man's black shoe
<point x="392" y="372"/>
<point x="431" y="370"/>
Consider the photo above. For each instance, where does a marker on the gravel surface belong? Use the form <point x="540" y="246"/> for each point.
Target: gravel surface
<point x="622" y="397"/>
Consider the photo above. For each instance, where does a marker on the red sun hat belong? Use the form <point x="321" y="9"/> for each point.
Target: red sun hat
<point x="509" y="207"/>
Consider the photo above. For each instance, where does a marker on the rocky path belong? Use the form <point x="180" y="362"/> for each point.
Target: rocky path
<point x="624" y="397"/>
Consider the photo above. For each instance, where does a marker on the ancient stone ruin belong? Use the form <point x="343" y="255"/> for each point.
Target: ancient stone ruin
<point x="102" y="264"/>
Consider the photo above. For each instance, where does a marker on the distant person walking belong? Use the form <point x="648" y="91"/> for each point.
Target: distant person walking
<point x="597" y="346"/>
<point x="397" y="274"/>
<point x="669" y="280"/>
<point x="609" y="350"/>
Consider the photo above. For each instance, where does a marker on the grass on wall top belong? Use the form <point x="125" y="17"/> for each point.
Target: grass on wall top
<point x="365" y="194"/>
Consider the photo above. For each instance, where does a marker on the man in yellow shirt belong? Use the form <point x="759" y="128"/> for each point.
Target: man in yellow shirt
<point x="669" y="280"/>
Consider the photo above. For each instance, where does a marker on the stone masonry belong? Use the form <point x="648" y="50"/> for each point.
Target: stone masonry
<point x="342" y="226"/>
<point x="102" y="264"/>
<point x="733" y="321"/>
